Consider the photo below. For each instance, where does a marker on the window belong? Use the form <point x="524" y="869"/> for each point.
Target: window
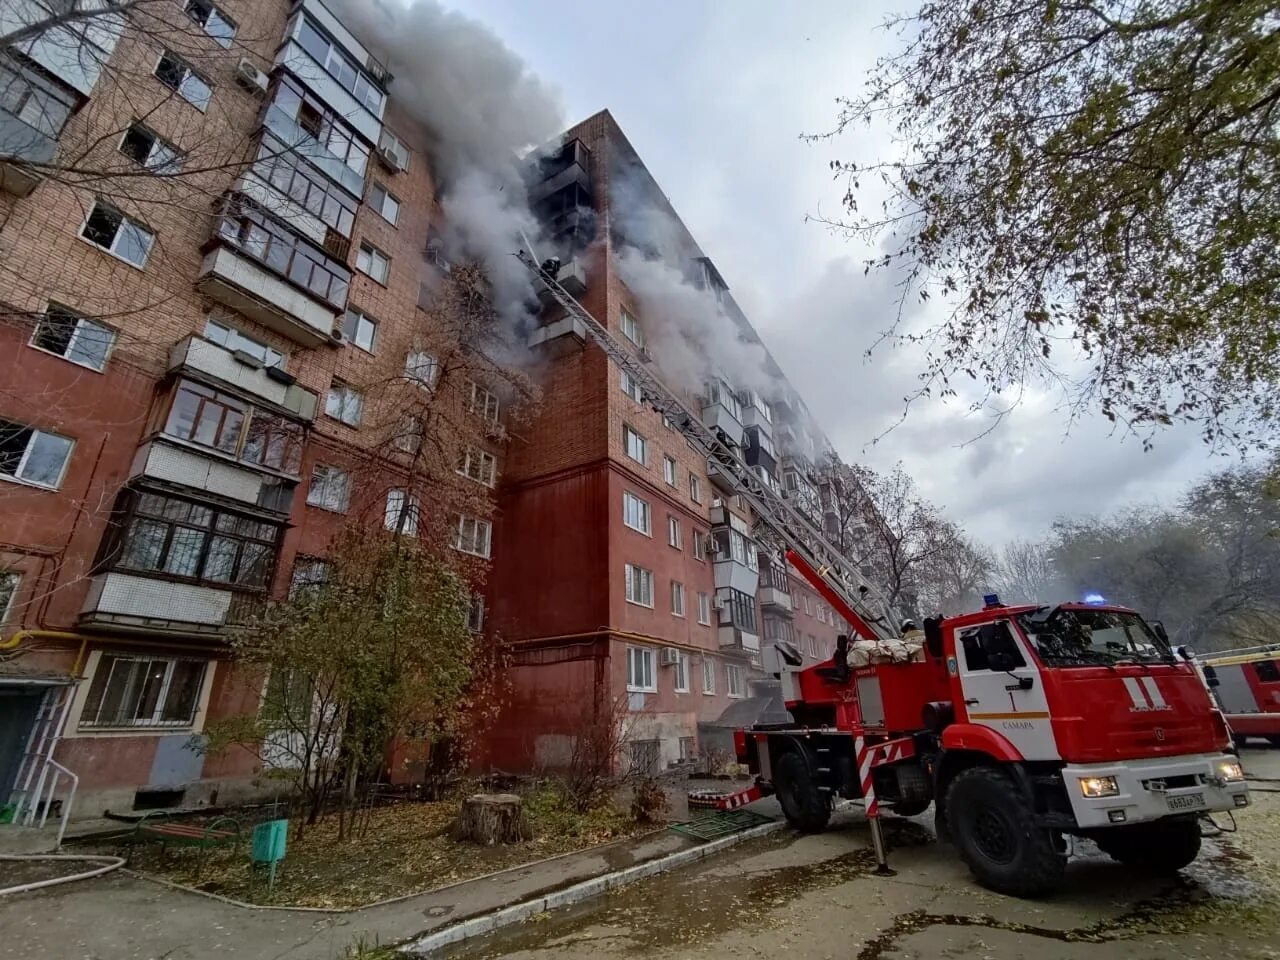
<point x="669" y="470"/>
<point x="813" y="646"/>
<point x="163" y="534"/>
<point x="30" y="97"/>
<point x="216" y="23"/>
<point x="675" y="536"/>
<point x="330" y="488"/>
<point x="33" y="456"/>
<point x="733" y="681"/>
<point x="640" y="674"/>
<point x="423" y="367"/>
<point x="808" y="605"/>
<point x="205" y="416"/>
<point x="231" y="338"/>
<point x="360" y="328"/>
<point x="681" y="679"/>
<point x="401" y="504"/>
<point x="309" y="574"/>
<point x="141" y="691"/>
<point x="373" y="262"/>
<point x="631" y="329"/>
<point x="408" y="435"/>
<point x="475" y="613"/>
<point x="637" y="446"/>
<point x="66" y="334"/>
<point x="176" y="74"/>
<point x="688" y="749"/>
<point x="668" y="423"/>
<point x="298" y="180"/>
<point x="639" y="585"/>
<point x="635" y="513"/>
<point x="354" y="80"/>
<point x="384" y="203"/>
<point x="677" y="599"/>
<point x="631" y="388"/>
<point x="695" y="488"/>
<point x="701" y="545"/>
<point x="484" y="403"/>
<point x="473" y="536"/>
<point x="740" y="610"/>
<point x="146" y="148"/>
<point x="295" y="115"/>
<point x="732" y="545"/>
<point x="344" y="403"/>
<point x="479" y="466"/>
<point x="708" y="672"/>
<point x="704" y="609"/>
<point x="121" y="237"/>
<point x="9" y="581"/>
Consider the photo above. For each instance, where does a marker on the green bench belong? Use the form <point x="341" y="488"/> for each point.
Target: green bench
<point x="156" y="827"/>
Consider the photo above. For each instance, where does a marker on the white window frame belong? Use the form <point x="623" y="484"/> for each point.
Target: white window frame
<point x="675" y="533"/>
<point x="700" y="541"/>
<point x="641" y="579"/>
<point x="326" y="479"/>
<point x="380" y="207"/>
<point x="735" y="687"/>
<point x="349" y="405"/>
<point x="631" y="435"/>
<point x="473" y="536"/>
<point x="398" y="501"/>
<point x="708" y="676"/>
<point x="416" y="362"/>
<point x="695" y="487"/>
<point x="308" y="572"/>
<point x="408" y="435"/>
<point x="637" y="513"/>
<point x="645" y="678"/>
<point x="190" y="72"/>
<point x="159" y="146"/>
<point x="631" y="387"/>
<point x="482" y="398"/>
<point x="10" y="584"/>
<point x="373" y="255"/>
<point x="680" y="680"/>
<point x="115" y="240"/>
<point x="704" y="609"/>
<point x="84" y="725"/>
<point x="221" y="40"/>
<point x="669" y="470"/>
<point x="677" y="598"/>
<point x="25" y="460"/>
<point x="224" y="334"/>
<point x="356" y="320"/>
<point x="82" y="323"/>
<point x="631" y="328"/>
<point x="480" y="466"/>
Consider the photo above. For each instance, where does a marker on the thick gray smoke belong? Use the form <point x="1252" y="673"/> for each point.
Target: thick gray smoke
<point x="690" y="333"/>
<point x="483" y="109"/>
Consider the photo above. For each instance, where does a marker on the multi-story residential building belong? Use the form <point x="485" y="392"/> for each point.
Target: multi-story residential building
<point x="213" y="318"/>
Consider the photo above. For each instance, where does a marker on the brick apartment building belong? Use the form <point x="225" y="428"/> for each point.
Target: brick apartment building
<point x="183" y="414"/>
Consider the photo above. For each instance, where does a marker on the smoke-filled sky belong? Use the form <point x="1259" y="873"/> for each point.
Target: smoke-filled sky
<point x="714" y="96"/>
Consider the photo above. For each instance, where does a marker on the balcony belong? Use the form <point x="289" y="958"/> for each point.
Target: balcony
<point x="721" y="411"/>
<point x="760" y="453"/>
<point x="568" y="168"/>
<point x="721" y="480"/>
<point x="164" y="458"/>
<point x="573" y="277"/>
<point x="121" y="601"/>
<point x="305" y="144"/>
<point x="236" y="281"/>
<point x="756" y="413"/>
<point x="293" y="58"/>
<point x="775" y="590"/>
<point x="20" y="145"/>
<point x="244" y="373"/>
<point x="565" y="334"/>
<point x="735" y="638"/>
<point x="736" y="565"/>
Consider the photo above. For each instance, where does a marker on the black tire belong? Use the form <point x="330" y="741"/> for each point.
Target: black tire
<point x="804" y="805"/>
<point x="1165" y="846"/>
<point x="1273" y="739"/>
<point x="908" y="808"/>
<point x="1239" y="739"/>
<point x="993" y="825"/>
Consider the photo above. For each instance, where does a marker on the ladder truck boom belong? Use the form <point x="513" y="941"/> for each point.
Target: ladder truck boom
<point x="816" y="559"/>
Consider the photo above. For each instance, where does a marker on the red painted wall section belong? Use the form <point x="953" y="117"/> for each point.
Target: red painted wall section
<point x="236" y="689"/>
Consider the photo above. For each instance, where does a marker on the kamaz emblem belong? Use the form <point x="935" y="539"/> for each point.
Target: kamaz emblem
<point x="951" y="666"/>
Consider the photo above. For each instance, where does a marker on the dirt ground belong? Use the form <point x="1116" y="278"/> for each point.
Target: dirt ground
<point x="817" y="896"/>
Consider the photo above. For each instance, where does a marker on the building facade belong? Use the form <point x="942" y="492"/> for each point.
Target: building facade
<point x="219" y="241"/>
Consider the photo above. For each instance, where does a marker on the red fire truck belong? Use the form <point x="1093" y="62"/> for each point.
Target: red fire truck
<point x="1021" y="724"/>
<point x="1246" y="684"/>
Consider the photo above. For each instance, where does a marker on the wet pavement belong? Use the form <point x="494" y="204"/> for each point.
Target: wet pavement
<point x="818" y="896"/>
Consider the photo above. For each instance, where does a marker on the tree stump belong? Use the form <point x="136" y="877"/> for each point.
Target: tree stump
<point x="490" y="818"/>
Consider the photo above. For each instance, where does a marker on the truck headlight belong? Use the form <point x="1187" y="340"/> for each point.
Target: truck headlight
<point x="1099" y="786"/>
<point x="1229" y="769"/>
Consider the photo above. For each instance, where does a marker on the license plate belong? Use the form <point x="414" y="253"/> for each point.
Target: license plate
<point x="1188" y="801"/>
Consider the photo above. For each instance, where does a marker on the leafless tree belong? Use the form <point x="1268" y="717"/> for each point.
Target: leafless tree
<point x="1024" y="572"/>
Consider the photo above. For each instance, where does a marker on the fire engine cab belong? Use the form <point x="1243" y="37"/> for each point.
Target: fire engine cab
<point x="1246" y="685"/>
<point x="1022" y="724"/>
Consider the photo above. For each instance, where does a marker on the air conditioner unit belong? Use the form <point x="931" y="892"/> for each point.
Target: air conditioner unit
<point x="670" y="656"/>
<point x="392" y="153"/>
<point x="251" y="78"/>
<point x="720" y="603"/>
<point x="644" y="355"/>
<point x="336" y="334"/>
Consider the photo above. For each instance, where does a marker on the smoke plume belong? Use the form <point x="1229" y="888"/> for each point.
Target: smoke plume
<point x="482" y="108"/>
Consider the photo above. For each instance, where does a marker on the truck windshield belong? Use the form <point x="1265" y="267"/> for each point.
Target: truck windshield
<point x="1092" y="637"/>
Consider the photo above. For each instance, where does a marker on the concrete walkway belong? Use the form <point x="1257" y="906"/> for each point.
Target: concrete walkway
<point x="122" y="917"/>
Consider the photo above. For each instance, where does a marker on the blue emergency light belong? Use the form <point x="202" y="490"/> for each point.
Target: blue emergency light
<point x="990" y="600"/>
<point x="1094" y="598"/>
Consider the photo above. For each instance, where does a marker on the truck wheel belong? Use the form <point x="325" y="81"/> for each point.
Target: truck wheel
<point x="1165" y="846"/>
<point x="909" y="808"/>
<point x="994" y="827"/>
<point x="1273" y="739"/>
<point x="803" y="804"/>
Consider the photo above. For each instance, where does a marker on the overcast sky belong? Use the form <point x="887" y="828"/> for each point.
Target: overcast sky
<point x="714" y="97"/>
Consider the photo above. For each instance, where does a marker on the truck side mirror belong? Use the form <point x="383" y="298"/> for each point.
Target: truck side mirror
<point x="933" y="636"/>
<point x="1161" y="632"/>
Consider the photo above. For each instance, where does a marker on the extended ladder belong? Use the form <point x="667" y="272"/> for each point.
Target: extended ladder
<point x="815" y="558"/>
